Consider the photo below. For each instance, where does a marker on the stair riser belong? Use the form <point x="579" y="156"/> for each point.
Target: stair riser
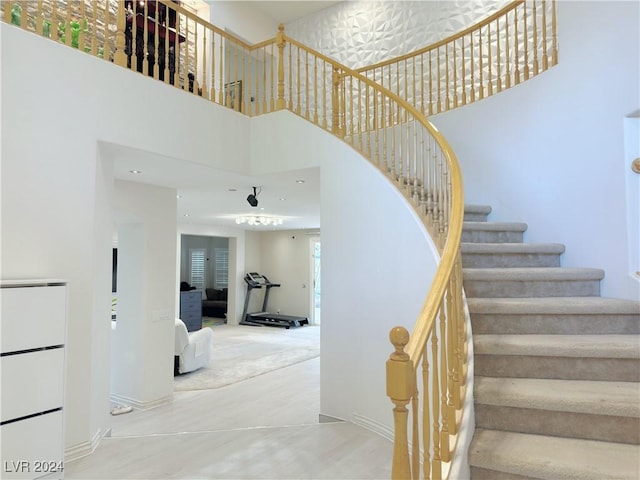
<point x="519" y="324"/>
<point x="568" y="368"/>
<point x="497" y="260"/>
<point x="559" y="424"/>
<point x="475" y="217"/>
<point x="484" y="236"/>
<point x="528" y="289"/>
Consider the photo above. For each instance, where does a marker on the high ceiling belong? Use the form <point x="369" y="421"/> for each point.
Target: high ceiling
<point x="214" y="197"/>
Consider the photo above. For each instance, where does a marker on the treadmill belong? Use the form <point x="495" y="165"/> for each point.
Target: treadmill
<point x="256" y="281"/>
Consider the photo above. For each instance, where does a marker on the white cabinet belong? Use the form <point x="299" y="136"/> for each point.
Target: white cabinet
<point x="32" y="364"/>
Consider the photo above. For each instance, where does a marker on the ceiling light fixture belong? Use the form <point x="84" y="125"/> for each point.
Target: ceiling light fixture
<point x="258" y="220"/>
<point x="135" y="171"/>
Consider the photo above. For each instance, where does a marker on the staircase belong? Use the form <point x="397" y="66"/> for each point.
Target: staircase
<point x="557" y="367"/>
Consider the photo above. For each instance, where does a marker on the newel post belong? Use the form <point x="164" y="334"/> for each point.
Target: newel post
<point x="280" y="42"/>
<point x="400" y="388"/>
<point x="120" y="57"/>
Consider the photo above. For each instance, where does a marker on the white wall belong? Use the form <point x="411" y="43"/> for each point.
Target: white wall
<point x="142" y="371"/>
<point x="102" y="258"/>
<point x="55" y="194"/>
<point x="252" y="251"/>
<point x="241" y="19"/>
<point x="377" y="263"/>
<point x="550" y="152"/>
<point x="285" y="260"/>
<point x="376" y="268"/>
<point x="280" y="142"/>
<point x="632" y="152"/>
<point x="372" y="280"/>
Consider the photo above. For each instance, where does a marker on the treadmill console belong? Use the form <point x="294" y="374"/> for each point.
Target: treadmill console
<point x="255" y="280"/>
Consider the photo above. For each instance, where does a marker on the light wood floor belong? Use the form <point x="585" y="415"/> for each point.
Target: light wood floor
<point x="262" y="428"/>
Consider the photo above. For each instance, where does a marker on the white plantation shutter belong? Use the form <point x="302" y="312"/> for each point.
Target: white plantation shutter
<point x="197" y="277"/>
<point x="222" y="267"/>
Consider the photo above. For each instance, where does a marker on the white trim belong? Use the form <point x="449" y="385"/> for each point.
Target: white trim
<point x="141" y="405"/>
<point x="459" y="465"/>
<point x="373" y="426"/>
<point x="85" y="448"/>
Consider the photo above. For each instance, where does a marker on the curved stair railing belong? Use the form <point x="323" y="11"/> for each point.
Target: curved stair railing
<point x="426" y="373"/>
<point x="511" y="46"/>
<point x="404" y="145"/>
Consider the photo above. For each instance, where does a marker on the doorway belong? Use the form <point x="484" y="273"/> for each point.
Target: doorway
<point x="315" y="281"/>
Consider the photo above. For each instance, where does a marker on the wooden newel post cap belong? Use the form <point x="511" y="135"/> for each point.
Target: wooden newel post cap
<point x="399" y="337"/>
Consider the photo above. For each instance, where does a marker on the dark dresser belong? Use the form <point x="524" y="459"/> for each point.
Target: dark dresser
<point x="191" y="309"/>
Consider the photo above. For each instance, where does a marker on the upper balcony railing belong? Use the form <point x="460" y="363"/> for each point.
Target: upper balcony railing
<point x="381" y="112"/>
<point x="514" y="44"/>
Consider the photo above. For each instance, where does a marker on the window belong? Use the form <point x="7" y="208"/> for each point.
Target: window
<point x="222" y="267"/>
<point x="197" y="268"/>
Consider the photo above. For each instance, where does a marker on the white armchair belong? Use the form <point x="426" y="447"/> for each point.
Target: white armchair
<point x="193" y="349"/>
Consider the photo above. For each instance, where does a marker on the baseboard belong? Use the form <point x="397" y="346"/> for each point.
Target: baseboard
<point x="372" y="425"/>
<point x="85" y="448"/>
<point x="138" y="404"/>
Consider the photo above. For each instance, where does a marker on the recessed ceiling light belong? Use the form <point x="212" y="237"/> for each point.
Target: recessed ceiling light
<point x="282" y="199"/>
<point x="135" y="171"/>
<point x="299" y="181"/>
<point x="178" y="196"/>
<point x="233" y="189"/>
<point x="187" y="215"/>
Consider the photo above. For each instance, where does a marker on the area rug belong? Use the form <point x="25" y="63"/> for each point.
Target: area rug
<point x="212" y="321"/>
<point x="242" y="352"/>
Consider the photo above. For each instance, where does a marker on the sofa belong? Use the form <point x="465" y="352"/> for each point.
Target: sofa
<point x="192" y="350"/>
<point x="215" y="305"/>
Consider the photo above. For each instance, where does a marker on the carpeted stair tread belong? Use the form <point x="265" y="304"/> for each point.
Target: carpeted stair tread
<point x="512" y="248"/>
<point x="511" y="255"/>
<point x="556" y="366"/>
<point x="495" y="226"/>
<point x="580" y="396"/>
<point x="554" y="305"/>
<point x="577" y="346"/>
<point x="545" y="457"/>
<point x="532" y="274"/>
